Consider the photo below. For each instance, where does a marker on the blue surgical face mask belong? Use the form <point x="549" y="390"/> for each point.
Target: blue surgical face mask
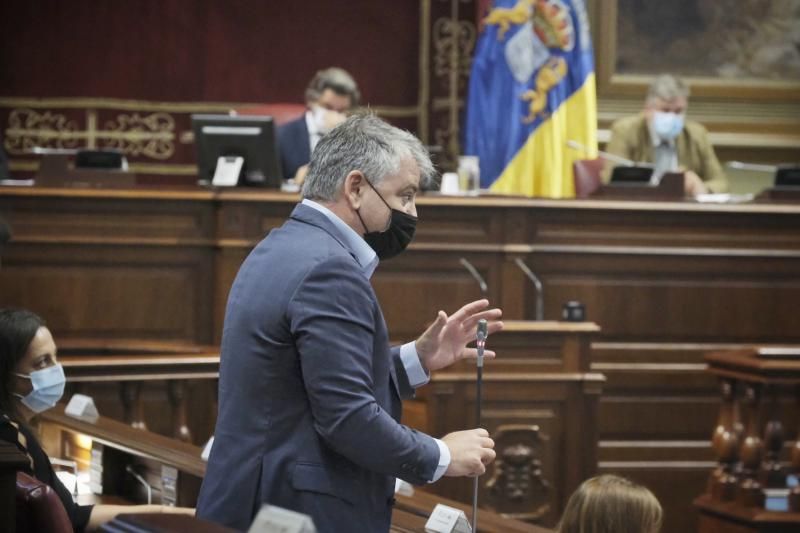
<point x="667" y="125"/>
<point x="48" y="387"/>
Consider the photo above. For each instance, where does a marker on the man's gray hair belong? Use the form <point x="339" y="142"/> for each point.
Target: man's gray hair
<point x="667" y="87"/>
<point x="366" y="143"/>
<point x="336" y="79"/>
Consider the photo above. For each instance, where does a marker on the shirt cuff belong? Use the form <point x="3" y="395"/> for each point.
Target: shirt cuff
<point x="444" y="460"/>
<point x="417" y="376"/>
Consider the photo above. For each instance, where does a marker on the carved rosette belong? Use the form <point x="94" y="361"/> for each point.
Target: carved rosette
<point x="135" y="134"/>
<point x="152" y="135"/>
<point x="28" y="129"/>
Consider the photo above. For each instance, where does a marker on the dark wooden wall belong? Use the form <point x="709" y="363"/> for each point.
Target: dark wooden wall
<point x="206" y="50"/>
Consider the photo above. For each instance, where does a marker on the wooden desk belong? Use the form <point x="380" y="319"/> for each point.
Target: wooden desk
<point x="727" y="517"/>
<point x="543" y="373"/>
<point x="403" y="521"/>
<point x="151" y="453"/>
<point x="666" y="281"/>
<point x="422" y="503"/>
<point x="162" y="523"/>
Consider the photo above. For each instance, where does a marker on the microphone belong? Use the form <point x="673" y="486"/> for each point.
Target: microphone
<point x="483" y="330"/>
<point x="575" y="145"/>
<point x="129" y="469"/>
<point x="475" y="274"/>
<point x="536" y="283"/>
<point x="482" y="334"/>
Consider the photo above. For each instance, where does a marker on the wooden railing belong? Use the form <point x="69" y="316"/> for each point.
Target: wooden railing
<point x="131" y="365"/>
<point x="749" y="485"/>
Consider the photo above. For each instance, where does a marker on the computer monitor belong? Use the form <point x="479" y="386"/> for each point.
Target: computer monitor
<point x="787" y="177"/>
<point x="631" y="175"/>
<point x="249" y="137"/>
<point x="108" y="159"/>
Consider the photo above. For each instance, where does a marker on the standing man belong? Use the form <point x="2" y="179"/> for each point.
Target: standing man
<point x="309" y="389"/>
<point x="330" y="94"/>
<point x="661" y="135"/>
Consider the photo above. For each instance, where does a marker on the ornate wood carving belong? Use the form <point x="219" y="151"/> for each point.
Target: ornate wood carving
<point x="517" y="487"/>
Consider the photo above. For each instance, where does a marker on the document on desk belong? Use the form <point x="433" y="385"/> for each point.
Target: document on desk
<point x="17" y="182"/>
<point x="723" y="198"/>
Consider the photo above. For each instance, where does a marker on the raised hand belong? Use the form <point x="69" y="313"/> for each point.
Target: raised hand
<point x="445" y="341"/>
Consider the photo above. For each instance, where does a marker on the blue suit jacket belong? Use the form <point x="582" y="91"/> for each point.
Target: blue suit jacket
<point x="309" y="390"/>
<point x="294" y="145"/>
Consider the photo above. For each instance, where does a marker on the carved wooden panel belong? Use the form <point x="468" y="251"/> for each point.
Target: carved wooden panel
<point x="113" y="292"/>
<point x="541" y="458"/>
<point x="414" y="286"/>
<point x="677" y="296"/>
<point x="447" y="224"/>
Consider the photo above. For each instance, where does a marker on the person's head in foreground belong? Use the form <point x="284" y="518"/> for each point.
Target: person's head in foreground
<point x="611" y="504"/>
<point x="31" y="380"/>
<point x="368" y="173"/>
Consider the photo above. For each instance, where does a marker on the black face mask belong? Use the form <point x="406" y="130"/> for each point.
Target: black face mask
<point x="394" y="239"/>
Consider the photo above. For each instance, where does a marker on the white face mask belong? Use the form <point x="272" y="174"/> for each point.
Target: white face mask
<point x="667" y="125"/>
<point x="48" y="387"/>
<point x="320" y="115"/>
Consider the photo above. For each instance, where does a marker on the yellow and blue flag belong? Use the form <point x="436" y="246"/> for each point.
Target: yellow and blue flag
<point x="531" y="89"/>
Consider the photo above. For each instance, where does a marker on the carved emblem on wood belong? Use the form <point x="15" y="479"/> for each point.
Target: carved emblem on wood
<point x="517" y="486"/>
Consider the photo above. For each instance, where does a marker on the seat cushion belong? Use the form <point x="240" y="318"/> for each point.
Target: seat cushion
<point x="38" y="507"/>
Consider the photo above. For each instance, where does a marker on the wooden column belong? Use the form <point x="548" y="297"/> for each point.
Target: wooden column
<point x="725" y="441"/>
<point x="750" y="493"/>
<point x="130" y="394"/>
<point x="176" y="391"/>
<point x="772" y="473"/>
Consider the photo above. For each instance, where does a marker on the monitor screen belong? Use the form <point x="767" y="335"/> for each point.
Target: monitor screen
<point x="631" y="174"/>
<point x="250" y="137"/>
<point x="787" y="176"/>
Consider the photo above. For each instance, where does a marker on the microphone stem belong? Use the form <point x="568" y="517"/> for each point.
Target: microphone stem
<point x="478" y="395"/>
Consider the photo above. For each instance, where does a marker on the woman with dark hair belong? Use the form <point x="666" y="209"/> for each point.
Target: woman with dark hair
<point x="32" y="381"/>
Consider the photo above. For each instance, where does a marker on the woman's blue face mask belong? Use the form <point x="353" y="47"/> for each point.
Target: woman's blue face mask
<point x="48" y="387"/>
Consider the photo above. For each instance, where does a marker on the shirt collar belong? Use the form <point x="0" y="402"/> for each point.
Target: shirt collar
<point x="365" y="256"/>
<point x="314" y="134"/>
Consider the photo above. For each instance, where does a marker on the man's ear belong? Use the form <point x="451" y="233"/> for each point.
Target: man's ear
<point x="354" y="188"/>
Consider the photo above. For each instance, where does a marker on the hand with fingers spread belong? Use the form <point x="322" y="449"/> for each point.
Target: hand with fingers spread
<point x="470" y="452"/>
<point x="445" y="341"/>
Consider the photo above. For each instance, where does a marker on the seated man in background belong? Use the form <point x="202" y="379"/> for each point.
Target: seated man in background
<point x="330" y="94"/>
<point x="660" y="135"/>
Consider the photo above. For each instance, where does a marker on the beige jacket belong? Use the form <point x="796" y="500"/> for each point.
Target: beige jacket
<point x="630" y="138"/>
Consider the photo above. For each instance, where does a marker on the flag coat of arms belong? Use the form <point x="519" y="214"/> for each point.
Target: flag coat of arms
<point x="532" y="88"/>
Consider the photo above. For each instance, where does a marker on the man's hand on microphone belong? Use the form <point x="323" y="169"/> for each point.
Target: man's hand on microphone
<point x="445" y="341"/>
<point x="470" y="452"/>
